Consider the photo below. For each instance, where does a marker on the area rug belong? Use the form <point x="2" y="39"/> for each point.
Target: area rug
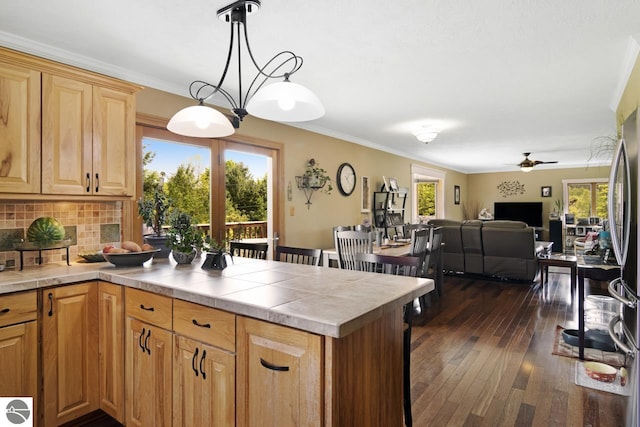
<point x="582" y="379"/>
<point x="561" y="348"/>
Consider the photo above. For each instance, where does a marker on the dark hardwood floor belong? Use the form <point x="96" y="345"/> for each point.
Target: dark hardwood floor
<point x="481" y="356"/>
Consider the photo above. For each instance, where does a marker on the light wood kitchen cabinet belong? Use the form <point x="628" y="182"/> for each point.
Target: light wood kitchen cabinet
<point x="148" y="359"/>
<point x="87" y="138"/>
<point x="19" y="129"/>
<point x="203" y="384"/>
<point x="70" y="352"/>
<point x="111" y="349"/>
<point x="279" y="375"/>
<point x="19" y="345"/>
<point x="203" y="366"/>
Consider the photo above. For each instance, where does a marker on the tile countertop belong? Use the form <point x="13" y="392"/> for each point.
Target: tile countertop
<point x="325" y="301"/>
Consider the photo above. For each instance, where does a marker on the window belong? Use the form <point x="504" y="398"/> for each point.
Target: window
<point x="586" y="198"/>
<point x="205" y="166"/>
<point x="426" y="191"/>
<point x="427" y="198"/>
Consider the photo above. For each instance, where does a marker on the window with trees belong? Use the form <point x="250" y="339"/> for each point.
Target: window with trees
<point x="427" y="195"/>
<point x="586" y="198"/>
<point x="427" y="200"/>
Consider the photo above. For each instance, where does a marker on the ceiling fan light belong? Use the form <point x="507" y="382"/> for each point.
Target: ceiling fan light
<point x="285" y="102"/>
<point x="200" y="121"/>
<point x="526" y="168"/>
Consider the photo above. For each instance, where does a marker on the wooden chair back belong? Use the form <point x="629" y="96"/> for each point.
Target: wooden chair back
<point x="249" y="250"/>
<point x="350" y="243"/>
<point x="298" y="255"/>
<point x="389" y="264"/>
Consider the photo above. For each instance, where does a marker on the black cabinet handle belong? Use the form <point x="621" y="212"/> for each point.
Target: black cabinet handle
<point x="146" y="341"/>
<point x="204" y="354"/>
<point x="5" y="310"/>
<point x="97" y="182"/>
<point x="202" y="325"/>
<point x="193" y="361"/>
<point x="88" y="182"/>
<point x="140" y="339"/>
<point x="273" y="367"/>
<point x="50" y="304"/>
<point x="147" y="308"/>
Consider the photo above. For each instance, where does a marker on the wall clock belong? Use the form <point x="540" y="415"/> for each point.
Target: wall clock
<point x="346" y="179"/>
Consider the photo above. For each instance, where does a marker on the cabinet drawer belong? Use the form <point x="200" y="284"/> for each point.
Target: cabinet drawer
<point x="149" y="307"/>
<point x="17" y="308"/>
<point x="205" y="324"/>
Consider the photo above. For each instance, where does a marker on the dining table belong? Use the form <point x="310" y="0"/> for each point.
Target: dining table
<point x="400" y="247"/>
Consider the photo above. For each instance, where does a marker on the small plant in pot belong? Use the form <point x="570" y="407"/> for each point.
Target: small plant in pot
<point x="316" y="177"/>
<point x="153" y="208"/>
<point x="216" y="250"/>
<point x="184" y="239"/>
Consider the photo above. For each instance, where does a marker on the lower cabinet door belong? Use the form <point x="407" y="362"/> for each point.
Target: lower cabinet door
<point x="148" y="375"/>
<point x="204" y="385"/>
<point x="70" y="352"/>
<point x="279" y="377"/>
<point x="111" y="338"/>
<point x="19" y="356"/>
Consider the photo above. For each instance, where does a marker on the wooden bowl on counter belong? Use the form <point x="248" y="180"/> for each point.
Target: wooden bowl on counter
<point x="601" y="371"/>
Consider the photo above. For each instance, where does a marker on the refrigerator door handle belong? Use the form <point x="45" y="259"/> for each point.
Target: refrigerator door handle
<point x="623" y="346"/>
<point x="615" y="290"/>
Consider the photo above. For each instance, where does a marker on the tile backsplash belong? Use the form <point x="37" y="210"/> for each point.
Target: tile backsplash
<point x="89" y="226"/>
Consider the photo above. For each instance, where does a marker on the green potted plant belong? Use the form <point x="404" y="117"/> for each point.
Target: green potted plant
<point x="153" y="208"/>
<point x="316" y="177"/>
<point x="183" y="238"/>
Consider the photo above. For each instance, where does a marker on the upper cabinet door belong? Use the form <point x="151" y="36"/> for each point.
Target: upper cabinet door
<point x="113" y="142"/>
<point x="19" y="130"/>
<point x="67" y="136"/>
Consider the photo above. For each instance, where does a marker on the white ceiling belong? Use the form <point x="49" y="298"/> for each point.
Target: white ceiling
<point x="499" y="77"/>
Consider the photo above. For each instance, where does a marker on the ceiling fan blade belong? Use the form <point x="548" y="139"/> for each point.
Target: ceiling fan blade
<point x="538" y="162"/>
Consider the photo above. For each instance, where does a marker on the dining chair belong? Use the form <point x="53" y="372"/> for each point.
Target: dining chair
<point x="298" y="255"/>
<point x="408" y="228"/>
<point x="249" y="250"/>
<point x="433" y="270"/>
<point x="419" y="244"/>
<point x="399" y="266"/>
<point x="349" y="243"/>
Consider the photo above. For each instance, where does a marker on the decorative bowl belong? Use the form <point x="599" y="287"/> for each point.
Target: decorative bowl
<point x="93" y="257"/>
<point x="130" y="259"/>
<point x="600" y="371"/>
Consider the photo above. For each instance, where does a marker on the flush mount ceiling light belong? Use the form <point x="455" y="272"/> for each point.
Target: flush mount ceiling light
<point x="283" y="101"/>
<point x="426" y="134"/>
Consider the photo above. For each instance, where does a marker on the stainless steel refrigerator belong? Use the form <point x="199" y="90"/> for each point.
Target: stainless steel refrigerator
<point x="623" y="224"/>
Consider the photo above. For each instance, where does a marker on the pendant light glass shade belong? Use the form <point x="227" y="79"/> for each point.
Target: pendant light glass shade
<point x="285" y="102"/>
<point x="201" y="122"/>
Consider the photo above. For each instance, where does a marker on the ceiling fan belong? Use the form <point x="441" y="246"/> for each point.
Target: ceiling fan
<point x="527" y="164"/>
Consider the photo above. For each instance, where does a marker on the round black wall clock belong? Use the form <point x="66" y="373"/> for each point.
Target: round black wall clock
<point x="346" y="179"/>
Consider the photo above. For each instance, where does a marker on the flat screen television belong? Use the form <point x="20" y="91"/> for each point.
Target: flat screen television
<point x="529" y="212"/>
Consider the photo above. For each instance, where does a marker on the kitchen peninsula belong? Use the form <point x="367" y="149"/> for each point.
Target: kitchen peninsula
<point x="296" y="344"/>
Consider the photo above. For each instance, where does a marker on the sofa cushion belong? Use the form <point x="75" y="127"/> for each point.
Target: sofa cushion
<point x="472" y="243"/>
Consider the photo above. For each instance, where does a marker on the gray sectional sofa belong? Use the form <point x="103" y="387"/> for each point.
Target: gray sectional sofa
<point x="504" y="249"/>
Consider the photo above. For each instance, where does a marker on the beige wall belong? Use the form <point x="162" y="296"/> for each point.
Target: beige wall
<point x="630" y="100"/>
<point x="312" y="227"/>
<point x="482" y="188"/>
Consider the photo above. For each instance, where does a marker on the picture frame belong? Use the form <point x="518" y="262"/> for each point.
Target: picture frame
<point x="545" y="191"/>
<point x="393" y="185"/>
<point x="365" y="195"/>
<point x="385" y="184"/>
<point x="456" y="194"/>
